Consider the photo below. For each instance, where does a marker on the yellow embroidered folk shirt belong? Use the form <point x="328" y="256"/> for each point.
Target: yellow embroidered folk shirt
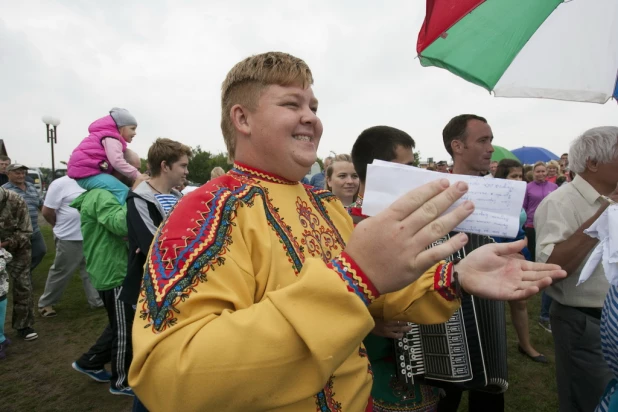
<point x="248" y="304"/>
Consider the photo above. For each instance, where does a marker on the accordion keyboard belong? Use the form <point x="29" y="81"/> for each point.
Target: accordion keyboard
<point x="409" y="352"/>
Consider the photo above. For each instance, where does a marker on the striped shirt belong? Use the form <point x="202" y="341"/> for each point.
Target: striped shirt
<point x="166" y="201"/>
<point x="609" y="344"/>
<point x="32" y="198"/>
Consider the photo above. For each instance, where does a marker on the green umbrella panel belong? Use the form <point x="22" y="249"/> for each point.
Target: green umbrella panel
<point x="502" y="153"/>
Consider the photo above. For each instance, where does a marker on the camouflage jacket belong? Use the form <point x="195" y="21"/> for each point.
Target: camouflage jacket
<point x="15" y="224"/>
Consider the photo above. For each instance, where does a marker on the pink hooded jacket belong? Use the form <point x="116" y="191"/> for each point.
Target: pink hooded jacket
<point x="89" y="158"/>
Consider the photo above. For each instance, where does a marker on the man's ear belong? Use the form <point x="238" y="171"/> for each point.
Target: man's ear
<point x="592" y="165"/>
<point x="240" y="119"/>
<point x="456" y="146"/>
<point x="164" y="165"/>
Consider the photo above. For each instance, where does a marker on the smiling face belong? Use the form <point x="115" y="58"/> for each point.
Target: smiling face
<point x="344" y="181"/>
<point x="282" y="134"/>
<point x="540" y="172"/>
<point x="128" y="132"/>
<point x="17" y="177"/>
<point x="552" y="171"/>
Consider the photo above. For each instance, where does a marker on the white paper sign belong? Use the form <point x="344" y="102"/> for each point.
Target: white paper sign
<point x="497" y="202"/>
<point x="605" y="228"/>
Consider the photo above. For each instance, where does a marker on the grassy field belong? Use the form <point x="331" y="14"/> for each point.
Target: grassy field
<point x="37" y="376"/>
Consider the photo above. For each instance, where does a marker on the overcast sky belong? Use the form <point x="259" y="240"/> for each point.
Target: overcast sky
<point x="165" y="60"/>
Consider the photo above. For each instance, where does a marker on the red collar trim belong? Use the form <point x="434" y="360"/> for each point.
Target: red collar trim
<point x="249" y="171"/>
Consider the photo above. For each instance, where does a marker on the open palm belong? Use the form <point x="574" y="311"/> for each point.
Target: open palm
<point x="496" y="271"/>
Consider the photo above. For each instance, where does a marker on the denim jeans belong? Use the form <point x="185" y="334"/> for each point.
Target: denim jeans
<point x="546" y="301"/>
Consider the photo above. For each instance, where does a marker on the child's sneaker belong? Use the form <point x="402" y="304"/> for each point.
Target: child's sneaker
<point x="3" y="347"/>
<point x="125" y="391"/>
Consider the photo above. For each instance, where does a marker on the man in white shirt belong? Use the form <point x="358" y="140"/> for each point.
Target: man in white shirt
<point x="69" y="253"/>
<point x="560" y="220"/>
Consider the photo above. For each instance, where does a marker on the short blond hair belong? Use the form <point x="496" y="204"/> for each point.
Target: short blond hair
<point x="553" y="163"/>
<point x="244" y="83"/>
<point x="539" y="163"/>
<point x="216" y="172"/>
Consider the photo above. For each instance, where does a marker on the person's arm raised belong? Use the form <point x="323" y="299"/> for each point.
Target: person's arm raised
<point x="497" y="271"/>
<point x="391" y="247"/>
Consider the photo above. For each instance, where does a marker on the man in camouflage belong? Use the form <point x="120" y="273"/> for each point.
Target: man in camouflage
<point x="15" y="234"/>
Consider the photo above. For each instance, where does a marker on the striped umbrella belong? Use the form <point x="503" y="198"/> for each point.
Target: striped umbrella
<point x="566" y="50"/>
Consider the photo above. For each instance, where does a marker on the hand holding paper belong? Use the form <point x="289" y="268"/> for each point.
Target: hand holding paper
<point x="497" y="202"/>
<point x="391" y="248"/>
<point x="605" y="228"/>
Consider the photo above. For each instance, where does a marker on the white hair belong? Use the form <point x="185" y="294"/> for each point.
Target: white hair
<point x="599" y="144"/>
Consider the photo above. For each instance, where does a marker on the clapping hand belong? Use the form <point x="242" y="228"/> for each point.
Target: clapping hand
<point x="498" y="272"/>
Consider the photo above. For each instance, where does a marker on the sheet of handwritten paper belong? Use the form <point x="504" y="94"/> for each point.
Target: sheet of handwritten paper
<point x="497" y="202"/>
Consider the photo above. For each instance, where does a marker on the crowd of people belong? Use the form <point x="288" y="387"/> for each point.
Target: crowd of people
<point x="262" y="290"/>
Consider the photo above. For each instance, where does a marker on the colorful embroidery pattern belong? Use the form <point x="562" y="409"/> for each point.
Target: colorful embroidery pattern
<point x="178" y="262"/>
<point x="320" y="241"/>
<point x="324" y="399"/>
<point x="356" y="280"/>
<point x="256" y="174"/>
<point x="318" y="197"/>
<point x="442" y="281"/>
<point x="181" y="256"/>
<point x="293" y="250"/>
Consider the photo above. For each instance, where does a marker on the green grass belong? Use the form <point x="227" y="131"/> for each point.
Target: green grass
<point x="37" y="376"/>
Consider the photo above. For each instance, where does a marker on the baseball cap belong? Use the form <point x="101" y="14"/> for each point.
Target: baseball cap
<point x="15" y="166"/>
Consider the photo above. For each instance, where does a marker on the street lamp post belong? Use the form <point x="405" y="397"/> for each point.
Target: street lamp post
<point x="51" y="138"/>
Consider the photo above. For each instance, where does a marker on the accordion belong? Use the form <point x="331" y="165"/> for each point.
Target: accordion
<point x="468" y="350"/>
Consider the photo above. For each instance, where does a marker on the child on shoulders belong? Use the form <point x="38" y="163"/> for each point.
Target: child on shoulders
<point x="99" y="154"/>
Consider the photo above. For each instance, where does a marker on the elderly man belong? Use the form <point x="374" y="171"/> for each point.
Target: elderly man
<point x="575" y="313"/>
<point x="18" y="184"/>
<point x="15" y="234"/>
<point x="69" y="248"/>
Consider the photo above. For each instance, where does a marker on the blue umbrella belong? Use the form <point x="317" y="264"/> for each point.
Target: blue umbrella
<point x="530" y="155"/>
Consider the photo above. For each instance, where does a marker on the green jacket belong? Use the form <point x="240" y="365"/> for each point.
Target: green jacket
<point x="104" y="228"/>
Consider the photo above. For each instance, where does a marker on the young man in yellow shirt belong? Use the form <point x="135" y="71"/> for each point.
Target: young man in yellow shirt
<point x="257" y="295"/>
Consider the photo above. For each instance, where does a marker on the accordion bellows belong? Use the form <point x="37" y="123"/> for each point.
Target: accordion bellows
<point x="468" y="350"/>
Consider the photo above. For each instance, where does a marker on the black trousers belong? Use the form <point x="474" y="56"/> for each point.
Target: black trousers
<point x="477" y="401"/>
<point x="115" y="344"/>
